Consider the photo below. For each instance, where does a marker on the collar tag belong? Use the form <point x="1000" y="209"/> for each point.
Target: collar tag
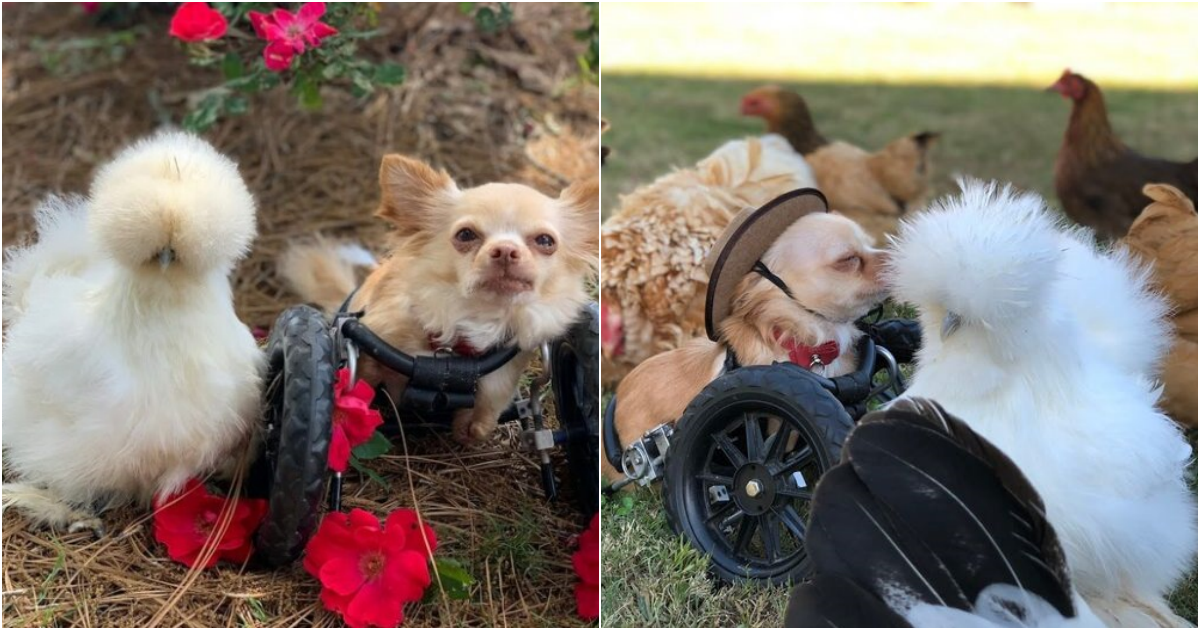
<point x="809" y="357"/>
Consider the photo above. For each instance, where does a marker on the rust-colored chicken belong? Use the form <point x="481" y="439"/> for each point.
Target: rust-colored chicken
<point x="1098" y="178"/>
<point x="874" y="189"/>
<point x="555" y="157"/>
<point x="1165" y="234"/>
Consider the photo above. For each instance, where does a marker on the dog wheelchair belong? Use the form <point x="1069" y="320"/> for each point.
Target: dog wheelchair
<point x="739" y="466"/>
<point x="305" y="351"/>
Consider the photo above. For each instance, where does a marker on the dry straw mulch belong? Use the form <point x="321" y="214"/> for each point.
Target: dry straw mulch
<point x="480" y="105"/>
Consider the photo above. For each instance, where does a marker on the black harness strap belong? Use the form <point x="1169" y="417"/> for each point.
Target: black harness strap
<point x="761" y="269"/>
<point x="612" y="442"/>
<point x="436" y="383"/>
<point x="345" y="307"/>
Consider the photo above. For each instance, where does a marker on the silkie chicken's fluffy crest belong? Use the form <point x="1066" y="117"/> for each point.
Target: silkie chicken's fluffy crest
<point x="992" y="256"/>
<point x="1001" y="223"/>
<point x="172" y="190"/>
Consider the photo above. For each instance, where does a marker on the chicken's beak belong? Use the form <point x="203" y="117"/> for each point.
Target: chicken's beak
<point x="166" y="256"/>
<point x="950" y="323"/>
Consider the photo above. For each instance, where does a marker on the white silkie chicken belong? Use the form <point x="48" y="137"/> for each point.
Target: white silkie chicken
<point x="126" y="371"/>
<point x="1048" y="345"/>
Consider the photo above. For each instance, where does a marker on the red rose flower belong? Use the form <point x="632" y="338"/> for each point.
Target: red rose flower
<point x="184" y="522"/>
<point x="278" y="56"/>
<point x="354" y="421"/>
<point x="197" y="22"/>
<point x="88" y="7"/>
<point x="367" y="571"/>
<point x="289" y="35"/>
<point x="587" y="566"/>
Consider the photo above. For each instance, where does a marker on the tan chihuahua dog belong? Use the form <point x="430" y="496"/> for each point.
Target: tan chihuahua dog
<point x="472" y="270"/>
<point x="832" y="271"/>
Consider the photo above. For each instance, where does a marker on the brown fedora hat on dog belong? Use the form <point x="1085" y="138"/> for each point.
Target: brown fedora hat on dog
<point x="747" y="237"/>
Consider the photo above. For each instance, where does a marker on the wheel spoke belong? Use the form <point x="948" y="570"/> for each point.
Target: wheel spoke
<point x="744" y="534"/>
<point x="795" y="460"/>
<point x="737" y="515"/>
<point x="725" y="515"/>
<point x="778" y="442"/>
<point x="718" y="480"/>
<point x="736" y="457"/>
<point x="804" y="494"/>
<point x="769" y="531"/>
<point x="791" y="520"/>
<point x="755" y="450"/>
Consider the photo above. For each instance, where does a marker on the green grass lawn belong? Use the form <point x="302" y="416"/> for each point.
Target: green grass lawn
<point x="652" y="578"/>
<point x="1005" y="133"/>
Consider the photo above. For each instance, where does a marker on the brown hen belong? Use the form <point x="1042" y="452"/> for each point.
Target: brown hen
<point x="874" y="189"/>
<point x="1097" y="177"/>
<point x="1165" y="234"/>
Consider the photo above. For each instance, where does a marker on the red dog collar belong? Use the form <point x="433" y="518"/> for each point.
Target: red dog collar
<point x="806" y="356"/>
<point x="459" y="347"/>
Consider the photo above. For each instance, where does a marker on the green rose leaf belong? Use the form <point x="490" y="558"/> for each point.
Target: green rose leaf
<point x="456" y="582"/>
<point x="205" y="114"/>
<point x="232" y="67"/>
<point x="308" y="92"/>
<point x="360" y="85"/>
<point x="388" y="73"/>
<point x="372" y="448"/>
<point x="371" y="475"/>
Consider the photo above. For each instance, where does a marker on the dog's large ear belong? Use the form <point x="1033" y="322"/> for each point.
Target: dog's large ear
<point x="581" y="204"/>
<point x="413" y="192"/>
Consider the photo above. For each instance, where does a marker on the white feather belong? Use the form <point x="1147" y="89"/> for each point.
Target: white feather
<point x="120" y="379"/>
<point x="992" y="611"/>
<point x="1054" y="363"/>
<point x="357" y="255"/>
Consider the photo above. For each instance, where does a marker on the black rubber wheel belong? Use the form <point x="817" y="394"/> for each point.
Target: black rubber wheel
<point x="742" y="467"/>
<point x="301" y="376"/>
<point x="575" y="380"/>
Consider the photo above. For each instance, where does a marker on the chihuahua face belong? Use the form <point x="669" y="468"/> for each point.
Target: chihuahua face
<point x="493" y="265"/>
<point x="507" y="238"/>
<point x="496" y="242"/>
<point x="829" y="264"/>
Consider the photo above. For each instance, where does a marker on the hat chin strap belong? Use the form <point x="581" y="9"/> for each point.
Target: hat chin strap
<point x="761" y="269"/>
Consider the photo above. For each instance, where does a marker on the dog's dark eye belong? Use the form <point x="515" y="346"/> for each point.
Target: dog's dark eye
<point x="466" y="235"/>
<point x="544" y="240"/>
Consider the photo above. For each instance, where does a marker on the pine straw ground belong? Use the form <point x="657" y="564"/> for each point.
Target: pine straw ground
<point x="470" y="103"/>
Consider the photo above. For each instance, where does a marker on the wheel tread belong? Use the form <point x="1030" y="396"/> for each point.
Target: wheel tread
<point x="780" y="381"/>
